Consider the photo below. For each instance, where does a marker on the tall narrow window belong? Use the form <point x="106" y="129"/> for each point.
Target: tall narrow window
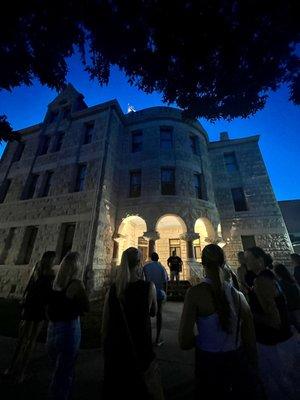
<point x="29" y="189"/>
<point x="4" y="189"/>
<point x="47" y="184"/>
<point x="66" y="239"/>
<point x="230" y="162"/>
<point x="44" y="145"/>
<point x="19" y="151"/>
<point x="80" y="178"/>
<point x="194" y="144"/>
<point x="174" y="245"/>
<point x="135" y="184"/>
<point x="59" y="138"/>
<point x="166" y="137"/>
<point x="168" y="181"/>
<point x="197" y="249"/>
<point x="53" y="117"/>
<point x="27" y="245"/>
<point x="200" y="187"/>
<point x="248" y="241"/>
<point x="66" y="113"/>
<point x="137" y="141"/>
<point x="88" y="133"/>
<point x="7" y="245"/>
<point x="239" y="199"/>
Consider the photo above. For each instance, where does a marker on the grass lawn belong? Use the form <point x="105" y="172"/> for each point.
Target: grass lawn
<point x="10" y="312"/>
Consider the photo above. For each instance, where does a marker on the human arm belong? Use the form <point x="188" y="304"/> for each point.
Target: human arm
<point x="265" y="290"/>
<point x="152" y="300"/>
<point x="186" y="336"/>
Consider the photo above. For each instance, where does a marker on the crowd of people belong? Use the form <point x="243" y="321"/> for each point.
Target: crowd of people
<point x="244" y="328"/>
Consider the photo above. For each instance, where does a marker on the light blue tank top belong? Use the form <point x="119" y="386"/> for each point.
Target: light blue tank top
<point x="210" y="336"/>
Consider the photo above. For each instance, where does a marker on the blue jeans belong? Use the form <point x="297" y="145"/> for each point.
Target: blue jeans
<point x="63" y="341"/>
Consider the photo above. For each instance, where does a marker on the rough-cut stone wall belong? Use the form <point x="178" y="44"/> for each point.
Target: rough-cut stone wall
<point x="263" y="218"/>
<point x="61" y="205"/>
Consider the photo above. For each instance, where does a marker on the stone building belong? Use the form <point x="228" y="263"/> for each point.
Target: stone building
<point x="291" y="214"/>
<point x="96" y="180"/>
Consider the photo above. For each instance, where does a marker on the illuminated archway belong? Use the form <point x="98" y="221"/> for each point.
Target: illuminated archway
<point x="170" y="228"/>
<point x="206" y="232"/>
<point x="130" y="234"/>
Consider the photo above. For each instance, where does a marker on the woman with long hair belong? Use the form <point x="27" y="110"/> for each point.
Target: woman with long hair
<point x="33" y="315"/>
<point x="291" y="291"/>
<point x="278" y="353"/>
<point x="68" y="301"/>
<point x="130" y="369"/>
<point x="225" y="343"/>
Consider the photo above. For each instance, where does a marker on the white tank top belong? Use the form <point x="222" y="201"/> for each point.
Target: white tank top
<point x="210" y="336"/>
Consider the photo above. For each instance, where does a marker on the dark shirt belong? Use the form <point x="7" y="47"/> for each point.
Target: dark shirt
<point x="127" y="355"/>
<point x="292" y="294"/>
<point x="175" y="263"/>
<point x="265" y="332"/>
<point x="36" y="298"/>
<point x="63" y="308"/>
<point x="297" y="274"/>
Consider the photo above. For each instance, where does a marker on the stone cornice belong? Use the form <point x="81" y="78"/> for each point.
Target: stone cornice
<point x="233" y="142"/>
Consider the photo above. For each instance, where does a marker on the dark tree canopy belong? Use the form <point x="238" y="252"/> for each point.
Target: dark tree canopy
<point x="213" y="58"/>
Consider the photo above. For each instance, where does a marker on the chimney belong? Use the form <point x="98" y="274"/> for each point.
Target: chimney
<point x="224" y="136"/>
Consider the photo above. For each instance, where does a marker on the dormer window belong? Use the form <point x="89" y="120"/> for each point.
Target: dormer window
<point x="53" y="116"/>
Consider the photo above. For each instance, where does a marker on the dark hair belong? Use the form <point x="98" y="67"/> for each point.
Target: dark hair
<point x="283" y="273"/>
<point x="295" y="257"/>
<point x="268" y="261"/>
<point x="240" y="253"/>
<point x="154" y="257"/>
<point x="258" y="252"/>
<point x="45" y="265"/>
<point x="213" y="259"/>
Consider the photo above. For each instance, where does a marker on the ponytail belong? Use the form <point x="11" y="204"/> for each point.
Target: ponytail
<point x="213" y="259"/>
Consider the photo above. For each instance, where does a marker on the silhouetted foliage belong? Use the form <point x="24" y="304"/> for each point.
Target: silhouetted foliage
<point x="214" y="58"/>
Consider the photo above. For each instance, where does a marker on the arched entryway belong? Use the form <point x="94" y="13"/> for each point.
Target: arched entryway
<point x="131" y="234"/>
<point x="170" y="229"/>
<point x="206" y="232"/>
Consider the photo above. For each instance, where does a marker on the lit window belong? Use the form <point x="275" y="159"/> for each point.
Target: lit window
<point x="174" y="245"/>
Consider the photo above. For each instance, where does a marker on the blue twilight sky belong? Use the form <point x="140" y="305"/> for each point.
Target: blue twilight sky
<point x="278" y="124"/>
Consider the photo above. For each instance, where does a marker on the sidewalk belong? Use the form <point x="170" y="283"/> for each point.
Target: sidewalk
<point x="177" y="367"/>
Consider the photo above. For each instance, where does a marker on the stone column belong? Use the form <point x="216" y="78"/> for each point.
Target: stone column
<point x="189" y="237"/>
<point x="193" y="271"/>
<point x="117" y="238"/>
<point x="151" y="236"/>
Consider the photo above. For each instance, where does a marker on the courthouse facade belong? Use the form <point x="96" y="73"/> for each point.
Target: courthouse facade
<point x="96" y="180"/>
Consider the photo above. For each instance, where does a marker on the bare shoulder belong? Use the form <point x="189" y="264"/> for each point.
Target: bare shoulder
<point x="199" y="291"/>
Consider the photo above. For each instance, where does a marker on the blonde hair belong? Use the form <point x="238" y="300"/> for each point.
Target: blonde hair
<point x="69" y="269"/>
<point x="131" y="259"/>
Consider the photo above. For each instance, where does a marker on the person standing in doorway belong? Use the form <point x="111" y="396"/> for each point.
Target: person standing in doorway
<point x="155" y="272"/>
<point x="175" y="265"/>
